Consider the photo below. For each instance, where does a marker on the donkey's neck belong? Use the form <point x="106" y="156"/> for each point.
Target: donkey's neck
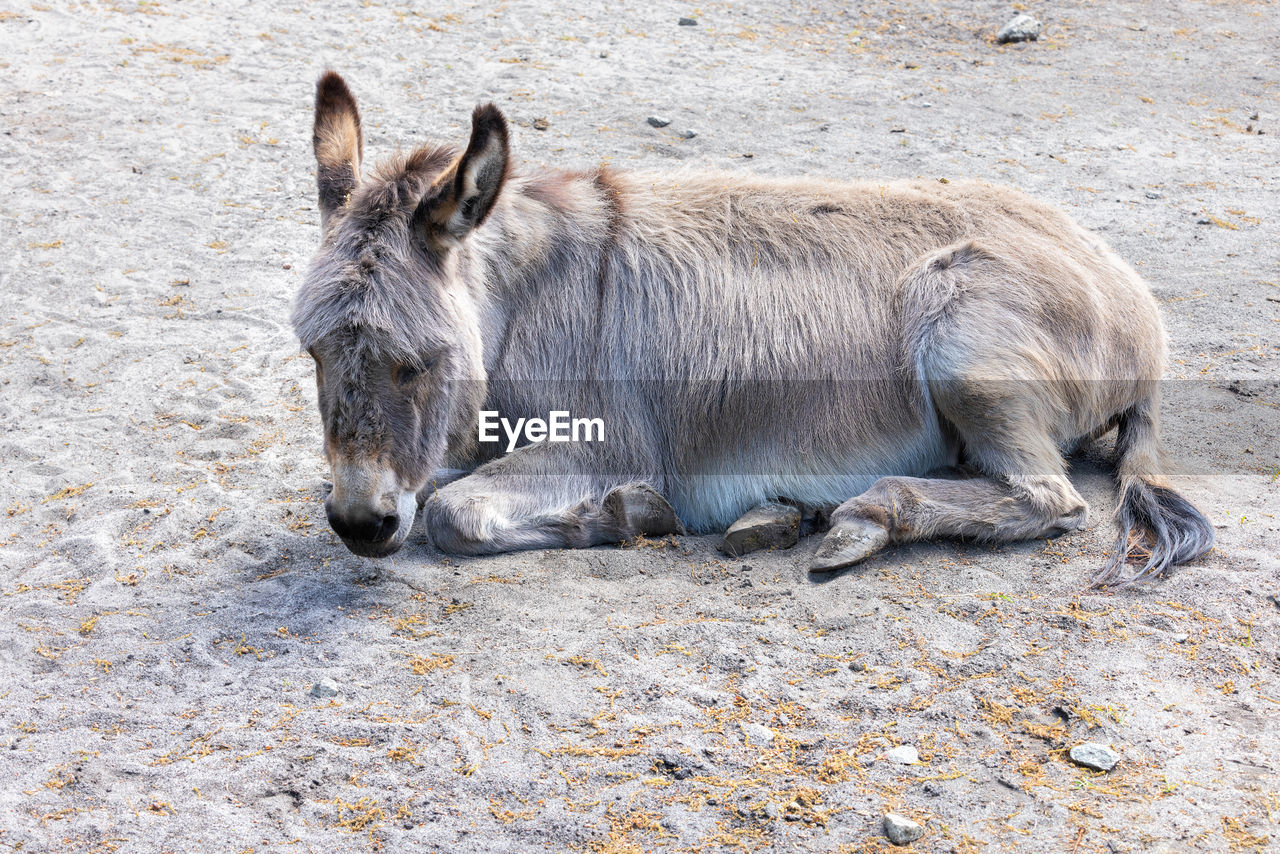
<point x="539" y="257"/>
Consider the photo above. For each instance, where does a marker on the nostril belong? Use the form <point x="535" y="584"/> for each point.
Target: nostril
<point x="339" y="523"/>
<point x="390" y="524"/>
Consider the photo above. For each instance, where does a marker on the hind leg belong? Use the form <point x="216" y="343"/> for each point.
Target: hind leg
<point x="984" y="361"/>
<point x="904" y="509"/>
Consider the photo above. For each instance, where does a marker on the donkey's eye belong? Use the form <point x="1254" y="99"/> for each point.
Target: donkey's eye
<point x="405" y="374"/>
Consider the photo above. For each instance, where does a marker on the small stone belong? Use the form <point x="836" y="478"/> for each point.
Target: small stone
<point x="858" y="666"/>
<point x="748" y="155"/>
<point x="910" y="63"/>
<point x="770" y="810"/>
<point x="541" y="124"/>
<point x="766" y="526"/>
<point x="325" y="688"/>
<point x="902" y="830"/>
<point x="1096" y="756"/>
<point x="658" y="121"/>
<point x="687" y="22"/>
<point x="1181" y="638"/>
<point x="903" y="754"/>
<point x="757" y="733"/>
<point x="1154" y="195"/>
<point x="688" y="134"/>
<point x="1023" y="28"/>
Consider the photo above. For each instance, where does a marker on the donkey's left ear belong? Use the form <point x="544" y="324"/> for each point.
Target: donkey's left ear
<point x="467" y="193"/>
<point x="338" y="143"/>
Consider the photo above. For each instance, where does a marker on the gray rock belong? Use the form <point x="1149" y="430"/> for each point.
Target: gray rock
<point x="325" y="688"/>
<point x="770" y="810"/>
<point x="1096" y="756"/>
<point x="902" y="830"/>
<point x="903" y="754"/>
<point x="765" y="526"/>
<point x="757" y="733"/>
<point x="1023" y="28"/>
<point x="658" y="121"/>
<point x="688" y="134"/>
<point x="1181" y="638"/>
<point x="541" y="124"/>
<point x="688" y="22"/>
<point x="1154" y="195"/>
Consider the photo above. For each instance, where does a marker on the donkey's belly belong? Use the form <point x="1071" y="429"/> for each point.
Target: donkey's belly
<point x="709" y="495"/>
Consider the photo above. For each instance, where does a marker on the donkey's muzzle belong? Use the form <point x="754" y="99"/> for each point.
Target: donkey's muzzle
<point x="372" y="528"/>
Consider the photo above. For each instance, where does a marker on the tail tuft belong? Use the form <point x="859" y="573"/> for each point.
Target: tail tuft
<point x="1158" y="522"/>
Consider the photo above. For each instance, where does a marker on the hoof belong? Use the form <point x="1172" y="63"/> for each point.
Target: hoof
<point x="765" y="526"/>
<point x="850" y="541"/>
<point x="636" y="508"/>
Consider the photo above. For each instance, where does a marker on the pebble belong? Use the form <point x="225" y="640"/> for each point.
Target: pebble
<point x="658" y="121"/>
<point x="858" y="666"/>
<point x="1096" y="756"/>
<point x="766" y="526"/>
<point x="902" y="830"/>
<point x="541" y="124"/>
<point x="688" y="134"/>
<point x="1181" y="638"/>
<point x="903" y="754"/>
<point x="1154" y="195"/>
<point x="325" y="688"/>
<point x="1023" y="28"/>
<point x="757" y="733"/>
<point x="771" y="810"/>
<point x="688" y="22"/>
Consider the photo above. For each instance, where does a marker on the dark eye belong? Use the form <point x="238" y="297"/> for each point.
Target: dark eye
<point x="405" y="374"/>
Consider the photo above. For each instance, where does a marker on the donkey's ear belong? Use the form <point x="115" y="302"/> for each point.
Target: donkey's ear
<point x="466" y="194"/>
<point x="338" y="143"/>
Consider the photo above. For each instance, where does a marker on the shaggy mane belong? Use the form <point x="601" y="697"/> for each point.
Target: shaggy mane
<point x="397" y="184"/>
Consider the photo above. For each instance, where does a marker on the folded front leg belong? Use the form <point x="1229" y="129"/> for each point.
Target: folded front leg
<point x="502" y="508"/>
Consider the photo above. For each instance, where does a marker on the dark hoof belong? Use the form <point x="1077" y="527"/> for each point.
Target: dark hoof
<point x="765" y="526"/>
<point x="850" y="541"/>
<point x="636" y="509"/>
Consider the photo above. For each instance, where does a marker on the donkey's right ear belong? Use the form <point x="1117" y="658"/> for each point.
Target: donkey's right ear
<point x="338" y="143"/>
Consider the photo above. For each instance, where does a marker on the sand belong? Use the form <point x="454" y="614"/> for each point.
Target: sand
<point x="171" y="591"/>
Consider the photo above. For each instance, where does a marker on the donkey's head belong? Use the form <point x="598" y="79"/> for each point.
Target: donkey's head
<point x="389" y="312"/>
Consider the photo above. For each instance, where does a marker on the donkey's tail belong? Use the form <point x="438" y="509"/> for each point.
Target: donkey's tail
<point x="1156" y="523"/>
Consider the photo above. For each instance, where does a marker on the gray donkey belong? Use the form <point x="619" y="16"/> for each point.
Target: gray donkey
<point x="741" y="340"/>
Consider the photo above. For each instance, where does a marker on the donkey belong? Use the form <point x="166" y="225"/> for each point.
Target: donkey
<point x="744" y="340"/>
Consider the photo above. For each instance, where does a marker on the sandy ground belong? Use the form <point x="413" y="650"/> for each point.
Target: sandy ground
<point x="171" y="591"/>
